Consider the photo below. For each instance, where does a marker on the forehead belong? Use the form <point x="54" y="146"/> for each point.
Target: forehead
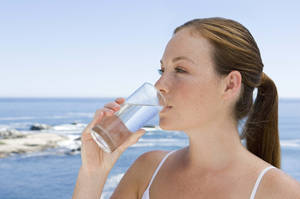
<point x="184" y="43"/>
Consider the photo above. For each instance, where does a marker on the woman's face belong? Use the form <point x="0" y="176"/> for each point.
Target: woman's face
<point x="189" y="83"/>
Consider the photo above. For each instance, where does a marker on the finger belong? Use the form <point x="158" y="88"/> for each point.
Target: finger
<point x="99" y="114"/>
<point x="85" y="137"/>
<point x="120" y="100"/>
<point x="134" y="138"/>
<point x="105" y="111"/>
<point x="113" y="106"/>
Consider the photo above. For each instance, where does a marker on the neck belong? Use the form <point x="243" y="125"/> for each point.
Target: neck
<point x="213" y="148"/>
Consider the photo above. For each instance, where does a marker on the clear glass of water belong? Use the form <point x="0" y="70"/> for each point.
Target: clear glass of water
<point x="141" y="106"/>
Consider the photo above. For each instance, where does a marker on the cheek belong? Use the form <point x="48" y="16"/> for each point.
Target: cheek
<point x="198" y="103"/>
<point x="188" y="100"/>
<point x="194" y="104"/>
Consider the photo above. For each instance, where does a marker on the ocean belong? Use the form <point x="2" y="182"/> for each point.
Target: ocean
<point x="53" y="173"/>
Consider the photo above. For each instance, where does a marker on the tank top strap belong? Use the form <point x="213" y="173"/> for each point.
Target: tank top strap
<point x="146" y="194"/>
<point x="158" y="167"/>
<point x="262" y="173"/>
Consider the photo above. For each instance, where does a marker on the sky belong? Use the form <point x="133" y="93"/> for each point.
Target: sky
<point x="64" y="48"/>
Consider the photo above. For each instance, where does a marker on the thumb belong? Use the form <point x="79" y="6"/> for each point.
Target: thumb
<point x="133" y="138"/>
<point x="138" y="134"/>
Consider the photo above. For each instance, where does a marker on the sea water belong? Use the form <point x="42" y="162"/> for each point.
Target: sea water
<point x="53" y="173"/>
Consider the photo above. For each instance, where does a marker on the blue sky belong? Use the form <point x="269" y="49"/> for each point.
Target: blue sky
<point x="99" y="48"/>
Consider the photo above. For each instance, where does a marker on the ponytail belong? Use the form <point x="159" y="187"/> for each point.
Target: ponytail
<point x="261" y="127"/>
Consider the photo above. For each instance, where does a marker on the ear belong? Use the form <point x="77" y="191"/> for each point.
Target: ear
<point x="232" y="85"/>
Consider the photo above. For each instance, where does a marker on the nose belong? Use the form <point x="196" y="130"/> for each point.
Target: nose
<point x="162" y="90"/>
<point x="161" y="85"/>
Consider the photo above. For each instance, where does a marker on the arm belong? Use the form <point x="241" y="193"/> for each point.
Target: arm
<point x="89" y="185"/>
<point x="96" y="164"/>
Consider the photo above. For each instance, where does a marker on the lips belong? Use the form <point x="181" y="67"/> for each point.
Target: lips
<point x="166" y="108"/>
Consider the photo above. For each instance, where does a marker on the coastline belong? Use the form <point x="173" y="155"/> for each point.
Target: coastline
<point x="28" y="143"/>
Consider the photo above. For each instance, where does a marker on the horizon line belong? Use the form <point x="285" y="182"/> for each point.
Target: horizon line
<point x="92" y="97"/>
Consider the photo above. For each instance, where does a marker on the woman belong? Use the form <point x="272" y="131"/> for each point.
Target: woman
<point x="209" y="70"/>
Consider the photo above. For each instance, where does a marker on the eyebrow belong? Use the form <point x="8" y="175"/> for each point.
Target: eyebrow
<point x="179" y="58"/>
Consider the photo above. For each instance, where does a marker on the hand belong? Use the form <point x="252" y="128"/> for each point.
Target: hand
<point x="92" y="156"/>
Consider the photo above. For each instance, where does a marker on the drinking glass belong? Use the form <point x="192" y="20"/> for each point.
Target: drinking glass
<point x="141" y="106"/>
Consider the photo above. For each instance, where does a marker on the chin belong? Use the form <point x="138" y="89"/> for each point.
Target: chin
<point x="167" y="126"/>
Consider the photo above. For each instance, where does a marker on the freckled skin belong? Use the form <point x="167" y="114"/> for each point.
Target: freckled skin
<point x="194" y="95"/>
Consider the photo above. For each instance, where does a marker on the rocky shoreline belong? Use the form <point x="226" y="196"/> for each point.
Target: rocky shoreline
<point x="40" y="137"/>
<point x="15" y="142"/>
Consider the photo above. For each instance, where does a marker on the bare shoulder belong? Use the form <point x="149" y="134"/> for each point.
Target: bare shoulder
<point x="151" y="157"/>
<point x="137" y="177"/>
<point x="277" y="184"/>
<point x="147" y="163"/>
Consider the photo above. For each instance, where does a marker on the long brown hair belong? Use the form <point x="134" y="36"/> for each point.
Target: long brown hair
<point x="234" y="49"/>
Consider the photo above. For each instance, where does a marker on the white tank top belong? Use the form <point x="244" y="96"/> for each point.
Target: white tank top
<point x="146" y="194"/>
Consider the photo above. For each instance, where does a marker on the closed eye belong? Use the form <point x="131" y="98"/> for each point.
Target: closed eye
<point x="178" y="70"/>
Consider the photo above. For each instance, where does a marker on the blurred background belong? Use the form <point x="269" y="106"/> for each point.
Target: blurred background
<point x="62" y="60"/>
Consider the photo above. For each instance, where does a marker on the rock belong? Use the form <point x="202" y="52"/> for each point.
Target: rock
<point x="38" y="127"/>
<point x="30" y="143"/>
<point x="10" y="134"/>
<point x="75" y="150"/>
